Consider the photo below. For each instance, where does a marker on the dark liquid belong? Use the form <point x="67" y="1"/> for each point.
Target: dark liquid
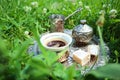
<point x="56" y="43"/>
<point x="80" y="44"/>
<point x="93" y="57"/>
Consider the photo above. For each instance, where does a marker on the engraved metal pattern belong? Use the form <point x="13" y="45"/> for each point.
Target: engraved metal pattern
<point x="82" y="37"/>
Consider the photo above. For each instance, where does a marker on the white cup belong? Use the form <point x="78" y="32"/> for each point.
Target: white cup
<point x="45" y="39"/>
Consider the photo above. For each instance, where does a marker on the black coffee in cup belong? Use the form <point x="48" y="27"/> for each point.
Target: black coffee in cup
<point x="56" y="43"/>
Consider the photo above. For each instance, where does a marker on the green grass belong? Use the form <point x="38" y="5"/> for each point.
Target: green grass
<point x="15" y="64"/>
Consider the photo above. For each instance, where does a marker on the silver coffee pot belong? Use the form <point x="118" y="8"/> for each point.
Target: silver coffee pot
<point x="58" y="20"/>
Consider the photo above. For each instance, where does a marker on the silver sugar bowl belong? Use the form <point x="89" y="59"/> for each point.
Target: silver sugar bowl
<point x="82" y="33"/>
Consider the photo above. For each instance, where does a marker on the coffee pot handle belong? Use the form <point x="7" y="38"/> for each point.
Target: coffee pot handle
<point x="79" y="9"/>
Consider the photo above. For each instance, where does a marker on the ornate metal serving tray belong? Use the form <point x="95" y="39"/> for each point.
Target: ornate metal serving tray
<point x="100" y="61"/>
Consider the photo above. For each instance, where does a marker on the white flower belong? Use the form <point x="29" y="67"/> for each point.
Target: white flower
<point x="104" y="5"/>
<point x="102" y="11"/>
<point x="73" y="2"/>
<point x="88" y="8"/>
<point x="113" y="11"/>
<point x="26" y="32"/>
<point x="80" y="3"/>
<point x="27" y="8"/>
<point x="55" y="5"/>
<point x="34" y="4"/>
<point x="64" y="9"/>
<point x="44" y="10"/>
<point x="109" y="5"/>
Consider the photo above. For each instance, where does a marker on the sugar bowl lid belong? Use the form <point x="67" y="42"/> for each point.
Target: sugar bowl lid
<point x="83" y="27"/>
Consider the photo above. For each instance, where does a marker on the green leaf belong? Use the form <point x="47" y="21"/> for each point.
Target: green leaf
<point x="111" y="71"/>
<point x="115" y="20"/>
<point x="38" y="67"/>
<point x="116" y="53"/>
<point x="4" y="53"/>
<point x="50" y="57"/>
<point x="20" y="50"/>
<point x="59" y="70"/>
<point x="70" y="73"/>
<point x="37" y="62"/>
